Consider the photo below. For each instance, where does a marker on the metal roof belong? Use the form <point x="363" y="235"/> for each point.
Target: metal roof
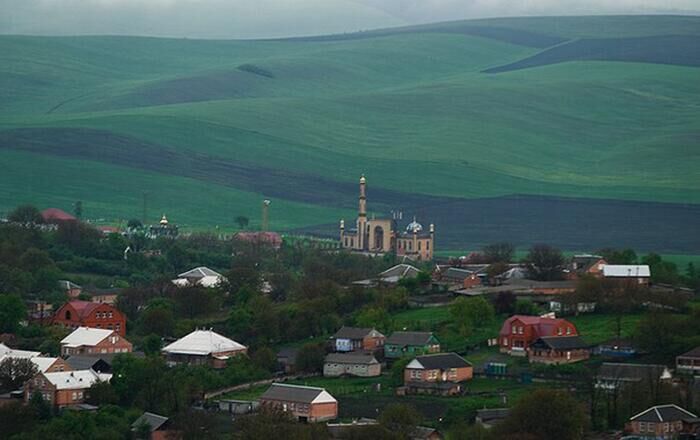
<point x="154" y="421"/>
<point x="440" y="361"/>
<point x="663" y="413"/>
<point x="626" y="270"/>
<point x="202" y="343"/>
<point x="297" y="393"/>
<point x="86" y="336"/>
<point x="350" y="358"/>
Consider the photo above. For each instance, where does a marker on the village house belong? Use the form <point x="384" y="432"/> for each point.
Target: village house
<point x="616" y="348"/>
<point x="103" y="296"/>
<point x="76" y="314"/>
<point x="490" y="417"/>
<point x="437" y="374"/>
<point x="307" y="404"/>
<point x="390" y="276"/>
<point x="520" y="331"/>
<point x="94" y="341"/>
<point x="410" y="344"/>
<point x="264" y="238"/>
<point x="62" y="389"/>
<point x="355" y="338"/>
<point x="160" y="427"/>
<point x="71" y="289"/>
<point x="351" y="364"/>
<point x="613" y="376"/>
<point x="203" y="347"/>
<point x="632" y="273"/>
<point x="689" y="362"/>
<point x="199" y="276"/>
<point x="558" y="350"/>
<point x="57" y="216"/>
<point x="44" y="364"/>
<point x="585" y="264"/>
<point x="659" y="422"/>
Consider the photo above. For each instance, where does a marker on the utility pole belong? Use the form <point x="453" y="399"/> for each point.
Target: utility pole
<point x="265" y="214"/>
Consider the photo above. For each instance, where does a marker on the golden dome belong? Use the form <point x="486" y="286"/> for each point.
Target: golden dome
<point x="164" y="221"/>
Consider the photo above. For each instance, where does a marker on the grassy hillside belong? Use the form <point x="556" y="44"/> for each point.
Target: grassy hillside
<point x="412" y="108"/>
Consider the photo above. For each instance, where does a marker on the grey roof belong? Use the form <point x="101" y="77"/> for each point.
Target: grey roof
<point x="78" y="362"/>
<point x="199" y="272"/>
<point x="663" y="413"/>
<point x="457" y="273"/>
<point x="292" y="393"/>
<point x="409" y="338"/>
<point x="488" y="414"/>
<point x="442" y="361"/>
<point x="695" y="352"/>
<point x="400" y="271"/>
<point x="561" y="342"/>
<point x="352" y="332"/>
<point x="351" y="358"/>
<point x="630" y="372"/>
<point x="153" y="420"/>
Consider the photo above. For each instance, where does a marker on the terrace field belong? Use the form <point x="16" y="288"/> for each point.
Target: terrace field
<point x="559" y="144"/>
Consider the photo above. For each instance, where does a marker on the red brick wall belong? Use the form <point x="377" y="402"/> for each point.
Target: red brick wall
<point x="370" y="344"/>
<point x="324" y="411"/>
<point x="94" y="319"/>
<point x="59" y="365"/>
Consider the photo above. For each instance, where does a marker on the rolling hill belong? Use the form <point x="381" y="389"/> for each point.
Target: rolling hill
<point x="578" y="131"/>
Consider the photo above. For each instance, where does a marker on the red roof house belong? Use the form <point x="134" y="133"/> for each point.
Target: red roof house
<point x="519" y="331"/>
<point x="74" y="314"/>
<point x="55" y="215"/>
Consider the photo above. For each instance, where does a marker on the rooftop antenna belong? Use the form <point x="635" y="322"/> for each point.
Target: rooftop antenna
<point x="265" y="214"/>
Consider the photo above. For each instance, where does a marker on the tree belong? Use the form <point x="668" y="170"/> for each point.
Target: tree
<point x="12" y="311"/>
<point x="242" y="221"/>
<point x="101" y="393"/>
<point x="505" y="303"/>
<point x="78" y="209"/>
<point x="25" y="214"/>
<point x="310" y="358"/>
<point x="157" y="319"/>
<point x="400" y="419"/>
<point x="661" y="271"/>
<point x="545" y="263"/>
<point x="397" y="370"/>
<point x="134" y="224"/>
<point x="545" y="414"/>
<point x="14" y="372"/>
<point x="617" y="256"/>
<point x="468" y="313"/>
<point x="499" y="252"/>
<point x="526" y="307"/>
<point x="265" y="359"/>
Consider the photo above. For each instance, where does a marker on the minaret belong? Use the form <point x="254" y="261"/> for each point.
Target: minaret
<point x="362" y="214"/>
<point x="432" y="240"/>
<point x="342" y="233"/>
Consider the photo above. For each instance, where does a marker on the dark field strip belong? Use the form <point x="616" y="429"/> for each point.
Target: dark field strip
<point x="569" y="223"/>
<point x="503" y="34"/>
<point x="682" y="50"/>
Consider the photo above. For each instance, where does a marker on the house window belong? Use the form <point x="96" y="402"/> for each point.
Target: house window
<point x="68" y="314"/>
<point x="74" y="396"/>
<point x="520" y="330"/>
<point x="110" y="314"/>
<point x="427" y="245"/>
<point x="665" y="427"/>
<point x="568" y="330"/>
<point x="514" y="329"/>
<point x="559" y="331"/>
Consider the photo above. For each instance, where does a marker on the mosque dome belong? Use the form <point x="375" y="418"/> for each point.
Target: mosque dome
<point x="414" y="226"/>
<point x="163" y="221"/>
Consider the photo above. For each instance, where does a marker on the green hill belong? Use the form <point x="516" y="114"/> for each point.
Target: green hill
<point x="209" y="128"/>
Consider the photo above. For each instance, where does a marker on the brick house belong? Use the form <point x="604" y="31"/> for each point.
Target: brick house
<point x="160" y="427"/>
<point x="558" y="350"/>
<point x="689" y="362"/>
<point x="632" y="273"/>
<point x="74" y="314"/>
<point x="203" y="347"/>
<point x="307" y="404"/>
<point x="352" y="364"/>
<point x="520" y="331"/>
<point x="71" y="289"/>
<point x="50" y="364"/>
<point x="659" y="422"/>
<point x="94" y="341"/>
<point x="437" y="374"/>
<point x="585" y="265"/>
<point x="354" y="338"/>
<point x="62" y="389"/>
<point x="410" y="343"/>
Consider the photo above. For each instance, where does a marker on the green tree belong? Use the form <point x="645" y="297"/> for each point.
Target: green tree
<point x="545" y="263"/>
<point x="14" y="372"/>
<point x="25" y="214"/>
<point x="242" y="221"/>
<point x="101" y="393"/>
<point x="400" y="419"/>
<point x="397" y="370"/>
<point x="499" y="252"/>
<point x="526" y="307"/>
<point x="533" y="414"/>
<point x="265" y="359"/>
<point x="12" y="311"/>
<point x="468" y="313"/>
<point x="158" y="318"/>
<point x="310" y="358"/>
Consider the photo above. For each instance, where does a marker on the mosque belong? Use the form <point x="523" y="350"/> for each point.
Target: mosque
<point x="381" y="236"/>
